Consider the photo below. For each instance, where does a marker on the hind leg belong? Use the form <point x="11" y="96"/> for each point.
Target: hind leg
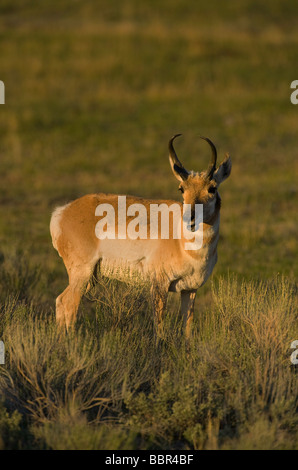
<point x="67" y="303"/>
<point x="60" y="316"/>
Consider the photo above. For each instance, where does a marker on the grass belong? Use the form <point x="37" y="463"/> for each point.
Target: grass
<point x="110" y="385"/>
<point x="92" y="96"/>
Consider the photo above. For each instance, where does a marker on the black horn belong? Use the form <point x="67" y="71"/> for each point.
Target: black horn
<point x="175" y="162"/>
<point x="212" y="165"/>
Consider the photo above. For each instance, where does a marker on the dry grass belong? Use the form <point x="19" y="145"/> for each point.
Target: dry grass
<point x="110" y="382"/>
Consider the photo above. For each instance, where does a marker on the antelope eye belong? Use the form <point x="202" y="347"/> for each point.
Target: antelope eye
<point x="181" y="189"/>
<point x="212" y="190"/>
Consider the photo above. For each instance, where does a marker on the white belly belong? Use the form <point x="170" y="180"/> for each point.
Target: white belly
<point x="126" y="260"/>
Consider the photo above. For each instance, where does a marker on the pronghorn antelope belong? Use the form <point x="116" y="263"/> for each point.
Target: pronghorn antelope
<point x="163" y="261"/>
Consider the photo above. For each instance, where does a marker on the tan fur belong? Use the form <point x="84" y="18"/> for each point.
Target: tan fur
<point x="163" y="262"/>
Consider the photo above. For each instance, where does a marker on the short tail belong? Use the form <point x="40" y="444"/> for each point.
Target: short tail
<point x="55" y="227"/>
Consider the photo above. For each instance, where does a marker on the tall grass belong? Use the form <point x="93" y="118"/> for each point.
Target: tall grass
<point x="110" y="384"/>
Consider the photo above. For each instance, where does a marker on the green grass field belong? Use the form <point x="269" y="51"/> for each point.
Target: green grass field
<point x="93" y="93"/>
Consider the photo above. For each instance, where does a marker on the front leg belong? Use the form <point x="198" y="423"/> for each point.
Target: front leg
<point x="187" y="309"/>
<point x="159" y="295"/>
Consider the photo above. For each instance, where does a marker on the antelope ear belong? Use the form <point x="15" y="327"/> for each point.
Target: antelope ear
<point x="223" y="171"/>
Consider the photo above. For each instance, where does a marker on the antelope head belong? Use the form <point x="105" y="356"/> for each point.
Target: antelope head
<point x="201" y="187"/>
